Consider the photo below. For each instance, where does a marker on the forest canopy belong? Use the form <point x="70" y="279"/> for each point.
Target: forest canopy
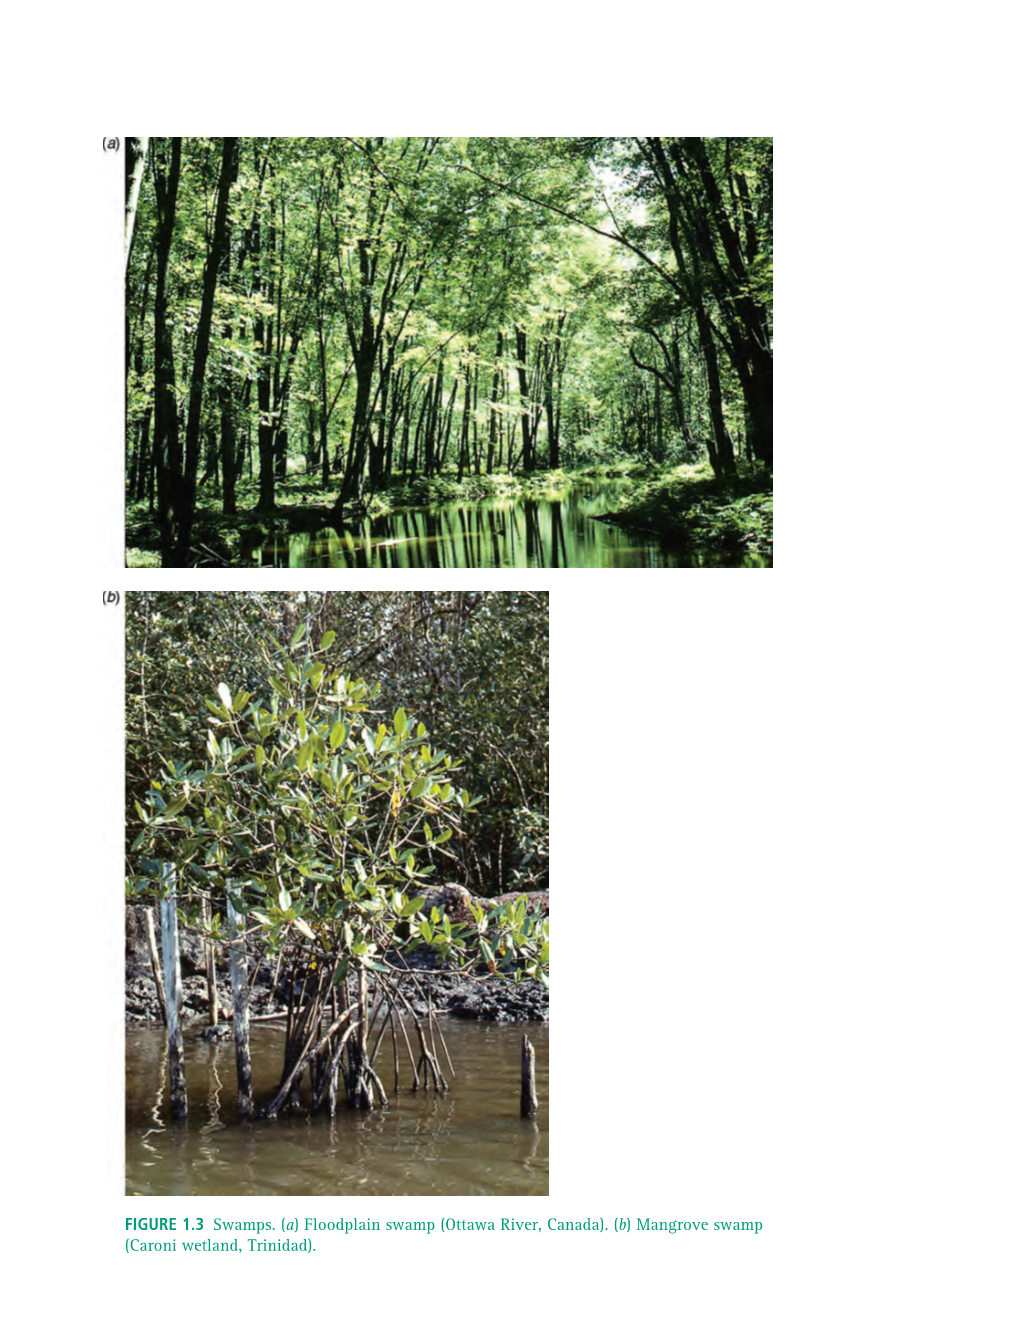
<point x="362" y="312"/>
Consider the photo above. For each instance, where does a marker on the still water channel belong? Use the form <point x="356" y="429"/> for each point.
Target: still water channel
<point x="556" y="530"/>
<point x="471" y="1142"/>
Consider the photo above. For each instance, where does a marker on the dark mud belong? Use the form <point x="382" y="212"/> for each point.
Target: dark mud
<point x="493" y="998"/>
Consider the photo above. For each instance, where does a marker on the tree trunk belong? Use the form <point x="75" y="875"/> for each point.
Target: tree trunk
<point x="262" y="333"/>
<point x="493" y="401"/>
<point x="364" y="368"/>
<point x="464" y="456"/>
<point x="228" y="426"/>
<point x="166" y="442"/>
<point x="721" y="452"/>
<point x="186" y="509"/>
<point x="137" y="150"/>
<point x="758" y="403"/>
<point x="527" y="435"/>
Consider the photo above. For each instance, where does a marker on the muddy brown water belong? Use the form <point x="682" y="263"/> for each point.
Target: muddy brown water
<point x="470" y="1142"/>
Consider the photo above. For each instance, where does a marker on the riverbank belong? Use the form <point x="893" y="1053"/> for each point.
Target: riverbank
<point x="302" y="507"/>
<point x="687" y="507"/>
<point x="682" y="508"/>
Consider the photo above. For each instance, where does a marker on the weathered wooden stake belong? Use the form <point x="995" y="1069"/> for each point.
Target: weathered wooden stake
<point x="157" y="970"/>
<point x="172" y="979"/>
<point x="239" y="991"/>
<point x="529" y="1096"/>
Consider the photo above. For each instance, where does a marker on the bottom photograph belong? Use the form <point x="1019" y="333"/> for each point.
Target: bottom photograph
<point x="337" y="916"/>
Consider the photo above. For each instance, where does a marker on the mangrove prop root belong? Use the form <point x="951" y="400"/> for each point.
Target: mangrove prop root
<point x="157" y="971"/>
<point x="427" y="1063"/>
<point x="427" y="1059"/>
<point x="442" y="1042"/>
<point x="383" y="1098"/>
<point x="407" y="1043"/>
<point x="333" y="1069"/>
<point x="272" y="1108"/>
<point x="396" y="1057"/>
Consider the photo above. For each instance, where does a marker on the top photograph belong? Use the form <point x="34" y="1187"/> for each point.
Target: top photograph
<point x="448" y="352"/>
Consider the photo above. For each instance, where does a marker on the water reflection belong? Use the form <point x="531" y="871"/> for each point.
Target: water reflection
<point x="470" y="1142"/>
<point x="558" y="530"/>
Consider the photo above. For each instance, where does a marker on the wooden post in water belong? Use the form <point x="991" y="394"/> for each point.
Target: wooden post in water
<point x="172" y="981"/>
<point x="529" y="1096"/>
<point x="239" y="991"/>
<point x="157" y="970"/>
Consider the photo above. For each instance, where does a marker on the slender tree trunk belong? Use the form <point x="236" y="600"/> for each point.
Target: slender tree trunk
<point x="228" y="440"/>
<point x="493" y="401"/>
<point x="137" y="150"/>
<point x="405" y="435"/>
<point x="263" y="338"/>
<point x="445" y="428"/>
<point x="553" y="354"/>
<point x="225" y="393"/>
<point x="424" y="414"/>
<point x="281" y="404"/>
<point x="377" y="456"/>
<point x="359" y="441"/>
<point x="433" y="424"/>
<point x="527" y="435"/>
<point x="139" y="481"/>
<point x="721" y="452"/>
<point x="228" y="173"/>
<point x="167" y="438"/>
<point x="464" y="456"/>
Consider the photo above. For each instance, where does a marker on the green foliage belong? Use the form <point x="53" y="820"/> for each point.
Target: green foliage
<point x="687" y="506"/>
<point x="373" y="286"/>
<point x="324" y="823"/>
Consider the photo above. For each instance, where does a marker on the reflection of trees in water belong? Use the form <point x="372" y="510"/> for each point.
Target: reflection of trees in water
<point x="465" y="536"/>
<point x="427" y="553"/>
<point x="559" y="541"/>
<point x="470" y="1141"/>
<point x="532" y="536"/>
<point x="496" y="536"/>
<point x="531" y="532"/>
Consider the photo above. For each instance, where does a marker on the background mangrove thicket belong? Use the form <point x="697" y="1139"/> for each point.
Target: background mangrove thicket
<point x="471" y="666"/>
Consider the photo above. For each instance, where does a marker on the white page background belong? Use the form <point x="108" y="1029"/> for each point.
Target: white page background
<point x="784" y="967"/>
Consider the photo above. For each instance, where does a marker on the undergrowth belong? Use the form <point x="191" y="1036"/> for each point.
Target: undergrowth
<point x="688" y="507"/>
